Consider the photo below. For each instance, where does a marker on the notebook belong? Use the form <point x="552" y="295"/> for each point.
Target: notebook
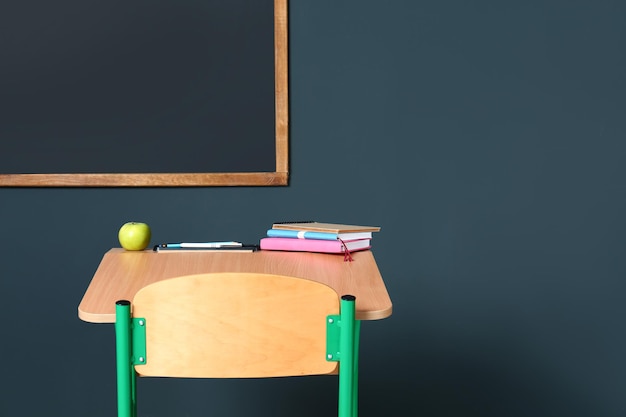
<point x="324" y="227"/>
<point x="313" y="245"/>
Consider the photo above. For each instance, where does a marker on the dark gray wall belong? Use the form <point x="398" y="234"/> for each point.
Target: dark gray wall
<point x="486" y="138"/>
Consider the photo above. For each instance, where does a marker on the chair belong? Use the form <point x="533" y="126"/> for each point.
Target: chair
<point x="236" y="325"/>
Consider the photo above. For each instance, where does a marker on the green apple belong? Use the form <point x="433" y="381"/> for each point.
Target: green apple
<point x="134" y="236"/>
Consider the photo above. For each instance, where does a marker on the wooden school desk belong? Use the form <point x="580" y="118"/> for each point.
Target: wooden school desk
<point x="122" y="273"/>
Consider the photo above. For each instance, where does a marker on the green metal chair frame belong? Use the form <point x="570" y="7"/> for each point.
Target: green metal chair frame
<point x="342" y="346"/>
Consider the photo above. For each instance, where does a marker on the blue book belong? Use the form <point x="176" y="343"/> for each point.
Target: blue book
<point x="305" y="234"/>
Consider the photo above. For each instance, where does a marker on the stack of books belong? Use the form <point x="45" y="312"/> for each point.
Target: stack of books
<point x="318" y="237"/>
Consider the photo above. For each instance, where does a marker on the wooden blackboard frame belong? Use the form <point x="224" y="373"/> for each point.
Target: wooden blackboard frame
<point x="193" y="179"/>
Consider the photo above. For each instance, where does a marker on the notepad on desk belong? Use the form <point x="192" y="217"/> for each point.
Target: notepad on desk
<point x="318" y="237"/>
<point x="204" y="247"/>
<point x="325" y="231"/>
<point x="250" y="248"/>
<point x="313" y="245"/>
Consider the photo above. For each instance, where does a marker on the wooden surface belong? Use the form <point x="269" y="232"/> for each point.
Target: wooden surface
<point x="122" y="273"/>
<point x="235" y="325"/>
<point x="151" y="180"/>
<point x="281" y="91"/>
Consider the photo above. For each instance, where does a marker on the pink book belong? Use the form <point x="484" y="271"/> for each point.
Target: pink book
<point x="313" y="245"/>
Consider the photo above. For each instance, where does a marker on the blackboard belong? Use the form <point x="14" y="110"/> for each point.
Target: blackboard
<point x="143" y="93"/>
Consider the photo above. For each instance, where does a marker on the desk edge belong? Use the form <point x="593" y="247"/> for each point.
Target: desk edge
<point x="110" y="318"/>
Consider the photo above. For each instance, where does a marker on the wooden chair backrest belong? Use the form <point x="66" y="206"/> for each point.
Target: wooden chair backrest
<point x="235" y="325"/>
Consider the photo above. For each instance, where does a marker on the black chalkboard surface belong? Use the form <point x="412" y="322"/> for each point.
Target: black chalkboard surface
<point x="143" y="93"/>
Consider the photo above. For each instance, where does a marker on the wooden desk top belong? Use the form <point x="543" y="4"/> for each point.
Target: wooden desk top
<point x="122" y="273"/>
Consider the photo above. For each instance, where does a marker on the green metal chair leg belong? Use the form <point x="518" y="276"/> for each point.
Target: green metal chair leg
<point x="355" y="380"/>
<point x="347" y="358"/>
<point x="126" y="404"/>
